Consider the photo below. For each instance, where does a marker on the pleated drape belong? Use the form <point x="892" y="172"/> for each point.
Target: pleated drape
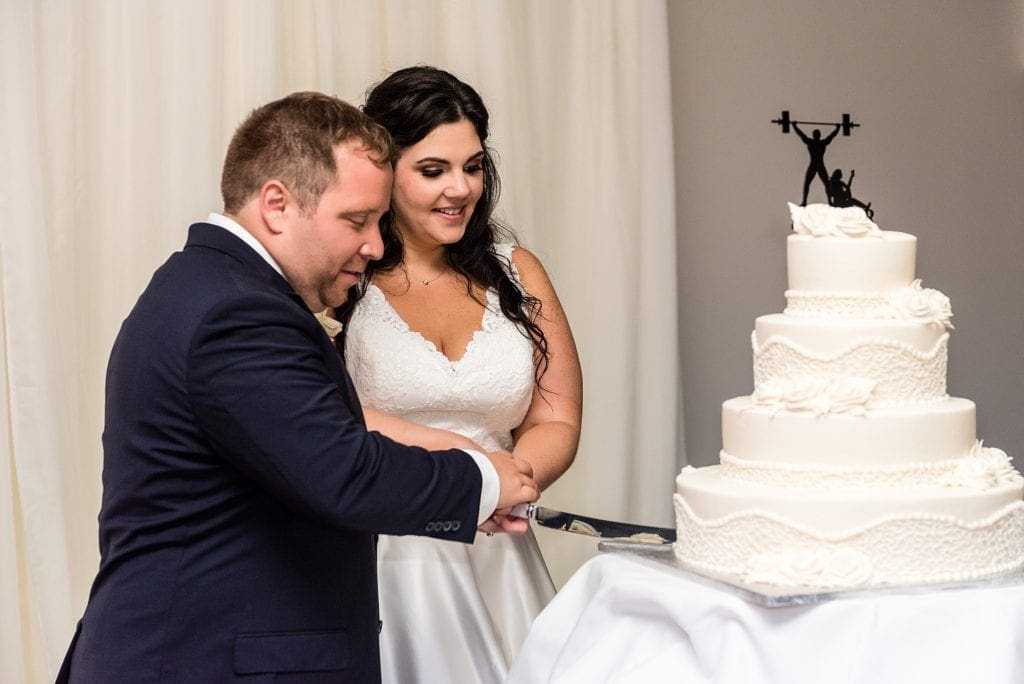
<point x="114" y="118"/>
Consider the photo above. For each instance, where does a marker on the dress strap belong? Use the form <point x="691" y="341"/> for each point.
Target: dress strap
<point x="504" y="252"/>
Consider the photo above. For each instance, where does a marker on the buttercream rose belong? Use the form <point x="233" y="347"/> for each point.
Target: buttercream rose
<point x="842" y="567"/>
<point x="771" y="394"/>
<point x="847" y="568"/>
<point x="807" y="394"/>
<point x="820" y="220"/>
<point x="853" y="222"/>
<point x="918" y="304"/>
<point x="804" y="567"/>
<point x="810" y="220"/>
<point x="851" y="395"/>
<point x="984" y="468"/>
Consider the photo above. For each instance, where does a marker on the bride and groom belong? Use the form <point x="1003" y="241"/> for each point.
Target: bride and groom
<point x="243" y="491"/>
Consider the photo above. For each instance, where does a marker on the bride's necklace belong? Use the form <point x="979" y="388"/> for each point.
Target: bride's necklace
<point x="427" y="281"/>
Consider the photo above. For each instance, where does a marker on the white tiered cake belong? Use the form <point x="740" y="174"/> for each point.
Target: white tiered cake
<point x="850" y="465"/>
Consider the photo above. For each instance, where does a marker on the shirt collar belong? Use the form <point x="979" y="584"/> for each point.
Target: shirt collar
<point x="245" y="236"/>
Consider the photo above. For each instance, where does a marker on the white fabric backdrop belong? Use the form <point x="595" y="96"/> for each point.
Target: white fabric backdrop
<point x="114" y="117"/>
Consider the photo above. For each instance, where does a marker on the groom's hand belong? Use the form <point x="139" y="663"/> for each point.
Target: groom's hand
<point x="515" y="476"/>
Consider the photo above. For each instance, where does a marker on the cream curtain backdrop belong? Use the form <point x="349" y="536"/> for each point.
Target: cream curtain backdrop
<point x="114" y="117"/>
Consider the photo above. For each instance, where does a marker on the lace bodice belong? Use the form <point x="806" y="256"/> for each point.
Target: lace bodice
<point x="483" y="395"/>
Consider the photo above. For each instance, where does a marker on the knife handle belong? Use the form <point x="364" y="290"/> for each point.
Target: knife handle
<point x="525" y="510"/>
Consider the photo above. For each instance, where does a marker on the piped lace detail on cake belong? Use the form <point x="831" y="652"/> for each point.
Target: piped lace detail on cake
<point x="898" y="549"/>
<point x="901" y="374"/>
<point x="983" y="468"/>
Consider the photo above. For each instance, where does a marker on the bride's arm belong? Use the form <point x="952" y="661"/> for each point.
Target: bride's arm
<point x="550" y="432"/>
<point x="408" y="432"/>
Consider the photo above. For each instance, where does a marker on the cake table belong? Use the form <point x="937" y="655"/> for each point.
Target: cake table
<point x="632" y="615"/>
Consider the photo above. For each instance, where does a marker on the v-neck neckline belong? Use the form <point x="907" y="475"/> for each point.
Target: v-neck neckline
<point x="428" y="344"/>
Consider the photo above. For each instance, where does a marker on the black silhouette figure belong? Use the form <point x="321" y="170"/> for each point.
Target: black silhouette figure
<point x="816" y="148"/>
<point x="841" y="195"/>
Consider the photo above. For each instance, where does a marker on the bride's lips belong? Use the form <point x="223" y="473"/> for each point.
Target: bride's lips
<point x="451" y="213"/>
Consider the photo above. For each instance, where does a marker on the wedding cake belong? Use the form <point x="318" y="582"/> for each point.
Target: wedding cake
<point x="850" y="465"/>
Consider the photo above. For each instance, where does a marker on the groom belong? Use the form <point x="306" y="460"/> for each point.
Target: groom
<point x="241" y="490"/>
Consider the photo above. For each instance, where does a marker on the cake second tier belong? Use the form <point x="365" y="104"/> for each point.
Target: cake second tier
<point x="851" y="364"/>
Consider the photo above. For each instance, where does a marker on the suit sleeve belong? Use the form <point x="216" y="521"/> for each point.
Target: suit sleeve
<point x="261" y="389"/>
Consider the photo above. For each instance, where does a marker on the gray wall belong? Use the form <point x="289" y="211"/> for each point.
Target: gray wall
<point x="939" y="90"/>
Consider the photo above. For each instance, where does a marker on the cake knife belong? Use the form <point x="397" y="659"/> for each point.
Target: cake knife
<point x="594" y="527"/>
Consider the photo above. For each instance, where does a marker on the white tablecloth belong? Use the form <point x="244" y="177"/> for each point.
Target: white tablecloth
<point x="623" y="618"/>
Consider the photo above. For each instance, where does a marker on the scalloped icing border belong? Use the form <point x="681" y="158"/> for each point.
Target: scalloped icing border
<point x="941" y="345"/>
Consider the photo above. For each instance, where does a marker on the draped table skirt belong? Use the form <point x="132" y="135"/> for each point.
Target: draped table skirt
<point x="627" y="617"/>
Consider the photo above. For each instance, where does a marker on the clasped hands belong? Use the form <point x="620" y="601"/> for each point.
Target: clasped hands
<point x="516" y="487"/>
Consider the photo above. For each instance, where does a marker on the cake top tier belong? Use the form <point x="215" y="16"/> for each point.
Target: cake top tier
<point x="835" y="249"/>
<point x="841" y="265"/>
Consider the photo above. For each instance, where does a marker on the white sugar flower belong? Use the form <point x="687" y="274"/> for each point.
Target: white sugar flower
<point x="918" y="304"/>
<point x="851" y="395"/>
<point x="810" y="220"/>
<point x="821" y="220"/>
<point x="847" y="568"/>
<point x="853" y="222"/>
<point x="984" y="468"/>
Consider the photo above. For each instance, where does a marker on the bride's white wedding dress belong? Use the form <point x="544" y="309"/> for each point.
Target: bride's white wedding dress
<point x="451" y="612"/>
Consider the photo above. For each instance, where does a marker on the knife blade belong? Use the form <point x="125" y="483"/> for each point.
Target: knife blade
<point x="594" y="527"/>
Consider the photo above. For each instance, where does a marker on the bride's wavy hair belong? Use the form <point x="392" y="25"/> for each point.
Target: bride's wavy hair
<point x="409" y="104"/>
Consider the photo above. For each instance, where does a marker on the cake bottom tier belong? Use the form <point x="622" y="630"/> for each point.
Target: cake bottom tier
<point x="794" y="537"/>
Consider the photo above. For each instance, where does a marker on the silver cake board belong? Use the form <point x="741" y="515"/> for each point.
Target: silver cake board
<point x="771" y="596"/>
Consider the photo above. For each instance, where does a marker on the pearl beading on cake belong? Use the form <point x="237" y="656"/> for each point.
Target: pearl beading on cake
<point x="914" y="303"/>
<point x="886" y="476"/>
<point x="817" y="304"/>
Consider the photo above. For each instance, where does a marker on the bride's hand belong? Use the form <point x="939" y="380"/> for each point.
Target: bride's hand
<point x="506" y="524"/>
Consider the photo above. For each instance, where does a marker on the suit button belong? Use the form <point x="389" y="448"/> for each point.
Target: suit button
<point x="447" y="527"/>
<point x="456" y="524"/>
<point x="431" y="526"/>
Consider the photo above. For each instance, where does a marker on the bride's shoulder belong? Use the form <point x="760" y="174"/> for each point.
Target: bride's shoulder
<point x="527" y="268"/>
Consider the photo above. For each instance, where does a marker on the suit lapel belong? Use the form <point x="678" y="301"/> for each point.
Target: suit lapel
<point x="215" y="237"/>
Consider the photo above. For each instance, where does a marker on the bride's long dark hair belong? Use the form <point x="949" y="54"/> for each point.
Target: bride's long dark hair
<point x="410" y="103"/>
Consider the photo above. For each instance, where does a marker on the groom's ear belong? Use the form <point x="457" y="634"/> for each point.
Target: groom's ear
<point x="276" y="205"/>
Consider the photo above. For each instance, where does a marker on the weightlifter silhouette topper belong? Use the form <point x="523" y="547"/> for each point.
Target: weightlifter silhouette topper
<point x="837" y="190"/>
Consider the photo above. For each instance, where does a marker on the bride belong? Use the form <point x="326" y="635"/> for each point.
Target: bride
<point x="458" y="339"/>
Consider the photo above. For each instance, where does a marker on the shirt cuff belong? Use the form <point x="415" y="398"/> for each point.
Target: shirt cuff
<point x="489" y="486"/>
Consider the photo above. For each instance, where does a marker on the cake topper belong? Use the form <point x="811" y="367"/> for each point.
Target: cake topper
<point x="838" y="192"/>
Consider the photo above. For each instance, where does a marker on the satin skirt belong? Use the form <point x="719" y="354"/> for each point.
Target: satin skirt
<point x="457" y="613"/>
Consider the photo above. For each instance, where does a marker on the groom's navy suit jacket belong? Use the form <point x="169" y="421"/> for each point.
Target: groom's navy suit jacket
<point x="241" y="490"/>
